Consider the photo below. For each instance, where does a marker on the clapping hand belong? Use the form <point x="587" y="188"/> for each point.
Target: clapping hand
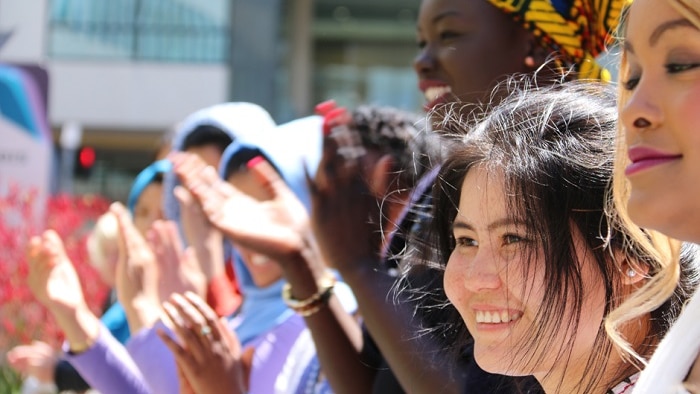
<point x="276" y="227"/>
<point x="207" y="353"/>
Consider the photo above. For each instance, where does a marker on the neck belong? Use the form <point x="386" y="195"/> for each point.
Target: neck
<point x="573" y="377"/>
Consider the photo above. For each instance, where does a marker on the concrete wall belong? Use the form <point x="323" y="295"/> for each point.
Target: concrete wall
<point x="130" y="95"/>
<point x="27" y="21"/>
<point x="124" y="95"/>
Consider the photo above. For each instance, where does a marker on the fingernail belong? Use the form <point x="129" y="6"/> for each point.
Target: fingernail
<point x="324" y="107"/>
<point x="255" y="161"/>
<point x="334" y="118"/>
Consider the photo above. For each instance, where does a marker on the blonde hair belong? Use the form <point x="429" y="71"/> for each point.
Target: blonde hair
<point x="665" y="269"/>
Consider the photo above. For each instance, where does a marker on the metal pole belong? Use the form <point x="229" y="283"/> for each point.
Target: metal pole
<point x="71" y="137"/>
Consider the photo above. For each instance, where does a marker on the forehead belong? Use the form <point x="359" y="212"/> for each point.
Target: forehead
<point x="474" y="10"/>
<point x="151" y="194"/>
<point x="482" y="188"/>
<point x="210" y="153"/>
<point x="647" y="15"/>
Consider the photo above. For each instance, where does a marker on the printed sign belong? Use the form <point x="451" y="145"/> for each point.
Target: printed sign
<point x="25" y="138"/>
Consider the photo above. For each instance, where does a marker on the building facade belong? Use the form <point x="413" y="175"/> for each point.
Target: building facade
<point x="125" y="71"/>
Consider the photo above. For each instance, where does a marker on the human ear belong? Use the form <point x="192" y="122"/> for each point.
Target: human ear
<point x="632" y="271"/>
<point x="380" y="178"/>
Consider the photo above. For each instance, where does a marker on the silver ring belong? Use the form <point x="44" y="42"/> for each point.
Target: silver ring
<point x="205" y="331"/>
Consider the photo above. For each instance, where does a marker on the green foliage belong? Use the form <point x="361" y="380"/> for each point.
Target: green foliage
<point x="10" y="381"/>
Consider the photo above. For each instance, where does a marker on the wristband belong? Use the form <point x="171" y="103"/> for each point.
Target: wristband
<point x="315" y="302"/>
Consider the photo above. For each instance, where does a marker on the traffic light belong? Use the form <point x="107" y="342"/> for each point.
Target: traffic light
<point x="84" y="161"/>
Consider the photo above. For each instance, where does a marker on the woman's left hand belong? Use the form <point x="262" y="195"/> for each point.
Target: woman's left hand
<point x="208" y="354"/>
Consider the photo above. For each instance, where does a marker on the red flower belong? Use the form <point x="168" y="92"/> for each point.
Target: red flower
<point x="22" y="318"/>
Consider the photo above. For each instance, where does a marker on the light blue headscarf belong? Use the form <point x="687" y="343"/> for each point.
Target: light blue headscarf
<point x="291" y="148"/>
<point x="237" y="119"/>
<point x="144" y="178"/>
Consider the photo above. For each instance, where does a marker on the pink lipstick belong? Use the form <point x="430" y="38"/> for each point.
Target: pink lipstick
<point x="643" y="158"/>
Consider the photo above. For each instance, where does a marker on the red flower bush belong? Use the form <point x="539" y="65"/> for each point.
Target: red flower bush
<point x="22" y="318"/>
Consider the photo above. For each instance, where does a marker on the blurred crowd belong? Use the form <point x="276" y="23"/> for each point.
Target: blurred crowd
<point x="532" y="231"/>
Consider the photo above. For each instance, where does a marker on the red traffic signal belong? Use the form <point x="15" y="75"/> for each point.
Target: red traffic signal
<point x="86" y="157"/>
<point x="85" y="160"/>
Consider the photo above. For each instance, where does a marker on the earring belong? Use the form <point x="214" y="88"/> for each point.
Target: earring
<point x="641" y="123"/>
<point x="529" y="61"/>
<point x="631" y="273"/>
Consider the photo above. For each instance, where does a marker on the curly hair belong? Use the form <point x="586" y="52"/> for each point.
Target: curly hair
<point x="401" y="134"/>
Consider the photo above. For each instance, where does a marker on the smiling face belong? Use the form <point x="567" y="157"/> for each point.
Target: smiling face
<point x="660" y="116"/>
<point x="465" y="47"/>
<point x="495" y="277"/>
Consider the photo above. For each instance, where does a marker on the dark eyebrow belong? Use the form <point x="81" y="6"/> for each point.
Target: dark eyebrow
<point x="445" y="15"/>
<point x="440" y="16"/>
<point x="505" y="222"/>
<point x="666" y="26"/>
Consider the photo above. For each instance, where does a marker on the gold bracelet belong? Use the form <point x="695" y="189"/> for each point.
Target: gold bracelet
<point x="317" y="306"/>
<point x="325" y="288"/>
<point x="75" y="349"/>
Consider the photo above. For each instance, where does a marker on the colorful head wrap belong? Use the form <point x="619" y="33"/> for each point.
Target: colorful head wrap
<point x="576" y="30"/>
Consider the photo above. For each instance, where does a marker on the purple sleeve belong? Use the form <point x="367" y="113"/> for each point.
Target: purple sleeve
<point x="107" y="367"/>
<point x="154" y="359"/>
<point x="273" y="370"/>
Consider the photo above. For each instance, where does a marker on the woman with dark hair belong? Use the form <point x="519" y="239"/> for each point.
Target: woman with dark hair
<point x="465" y="49"/>
<point x="533" y="264"/>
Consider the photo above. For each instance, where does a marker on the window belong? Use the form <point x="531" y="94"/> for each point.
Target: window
<point x="149" y="30"/>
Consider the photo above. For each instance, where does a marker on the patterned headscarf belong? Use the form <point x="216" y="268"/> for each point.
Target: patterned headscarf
<point x="576" y="30"/>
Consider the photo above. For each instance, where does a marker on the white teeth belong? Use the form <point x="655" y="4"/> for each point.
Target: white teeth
<point x="259" y="260"/>
<point x="434" y="92"/>
<point x="495" y="317"/>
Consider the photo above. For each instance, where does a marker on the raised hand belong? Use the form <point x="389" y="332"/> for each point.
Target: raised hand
<point x="201" y="235"/>
<point x="345" y="214"/>
<point x="208" y="354"/>
<point x="52" y="277"/>
<point x="54" y="282"/>
<point x="276" y="227"/>
<point x="137" y="275"/>
<point x="37" y="359"/>
<point x="177" y="268"/>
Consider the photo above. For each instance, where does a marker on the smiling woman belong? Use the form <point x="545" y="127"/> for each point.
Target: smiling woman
<point x="657" y="167"/>
<point x="660" y="97"/>
<point x="468" y="47"/>
<point x="532" y="261"/>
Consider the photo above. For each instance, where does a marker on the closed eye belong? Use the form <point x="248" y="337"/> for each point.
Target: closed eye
<point x="631" y="83"/>
<point x="674" y="68"/>
<point x="448" y="34"/>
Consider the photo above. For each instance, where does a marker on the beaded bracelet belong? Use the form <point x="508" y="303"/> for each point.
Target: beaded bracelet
<point x="312" y="304"/>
